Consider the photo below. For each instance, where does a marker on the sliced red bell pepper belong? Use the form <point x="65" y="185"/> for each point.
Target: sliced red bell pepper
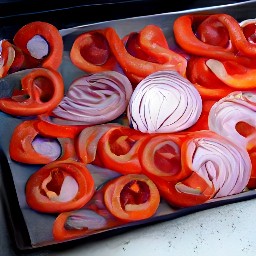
<point x="240" y="77"/>
<point x="206" y="82"/>
<point x="131" y="42"/>
<point x="47" y="127"/>
<point x="41" y="91"/>
<point x="91" y="52"/>
<point x="47" y="32"/>
<point x="165" y="161"/>
<point x="60" y="186"/>
<point x="136" y="69"/>
<point x="28" y="145"/>
<point x="87" y="141"/>
<point x="21" y="147"/>
<point x="153" y="41"/>
<point x="249" y="132"/>
<point x="118" y="149"/>
<point x="160" y="157"/>
<point x="132" y="197"/>
<point x="7" y="57"/>
<point x="92" y="218"/>
<point x="186" y="38"/>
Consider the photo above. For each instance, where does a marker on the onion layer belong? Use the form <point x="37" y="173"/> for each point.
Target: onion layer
<point x="164" y="102"/>
<point x="220" y="162"/>
<point x="95" y="99"/>
<point x="229" y="111"/>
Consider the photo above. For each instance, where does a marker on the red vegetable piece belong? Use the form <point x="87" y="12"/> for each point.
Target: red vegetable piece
<point x="187" y="39"/>
<point x="118" y="149"/>
<point x="45" y="35"/>
<point x="207" y="83"/>
<point x="7" y="57"/>
<point x="21" y="147"/>
<point x="87" y="141"/>
<point x="60" y="186"/>
<point x="42" y="90"/>
<point x="47" y="127"/>
<point x="91" y="52"/>
<point x="132" y="197"/>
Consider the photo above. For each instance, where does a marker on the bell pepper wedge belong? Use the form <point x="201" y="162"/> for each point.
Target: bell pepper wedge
<point x="118" y="149"/>
<point x="41" y="91"/>
<point x="244" y="79"/>
<point x="91" y="52"/>
<point x="132" y="197"/>
<point x="202" y="122"/>
<point x="90" y="219"/>
<point x="59" y="186"/>
<point x="21" y="147"/>
<point x="28" y="145"/>
<point x="160" y="157"/>
<point x="136" y="69"/>
<point x="164" y="159"/>
<point x="7" y="57"/>
<point x="249" y="132"/>
<point x="47" y="127"/>
<point x="48" y="33"/>
<point x="133" y="47"/>
<point x="153" y="41"/>
<point x="206" y="82"/>
<point x="186" y="38"/>
<point x="87" y="141"/>
<point x="187" y="193"/>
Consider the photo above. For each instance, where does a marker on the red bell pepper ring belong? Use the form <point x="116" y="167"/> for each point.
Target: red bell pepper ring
<point x="91" y="52"/>
<point x="60" y="186"/>
<point x="132" y="197"/>
<point x="244" y="79"/>
<point x="28" y="145"/>
<point x="187" y="39"/>
<point x="160" y="157"/>
<point x="249" y="132"/>
<point x="47" y="127"/>
<point x="91" y="219"/>
<point x="118" y="149"/>
<point x="87" y="141"/>
<point x="41" y="91"/>
<point x="164" y="161"/>
<point x="51" y="37"/>
<point x="131" y="42"/>
<point x="153" y="41"/>
<point x="7" y="57"/>
<point x="136" y="69"/>
<point x="21" y="147"/>
<point x="64" y="231"/>
<point x="206" y="82"/>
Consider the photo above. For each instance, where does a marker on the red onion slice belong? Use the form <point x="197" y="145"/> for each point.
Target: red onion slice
<point x="95" y="99"/>
<point x="221" y="163"/>
<point x="85" y="220"/>
<point x="226" y="113"/>
<point x="164" y="102"/>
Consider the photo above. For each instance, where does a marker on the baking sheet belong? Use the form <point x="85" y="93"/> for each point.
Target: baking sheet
<point x="38" y="226"/>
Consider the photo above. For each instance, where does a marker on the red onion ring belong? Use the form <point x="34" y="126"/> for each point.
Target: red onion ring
<point x="96" y="98"/>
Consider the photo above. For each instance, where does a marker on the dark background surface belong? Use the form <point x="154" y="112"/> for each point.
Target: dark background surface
<point x="64" y="14"/>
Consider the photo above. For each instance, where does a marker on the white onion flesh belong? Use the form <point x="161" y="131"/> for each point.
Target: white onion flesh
<point x="220" y="162"/>
<point x="95" y="99"/>
<point x="164" y="102"/>
<point x="226" y="113"/>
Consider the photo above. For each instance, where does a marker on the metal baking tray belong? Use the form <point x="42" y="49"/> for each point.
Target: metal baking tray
<point x="34" y="230"/>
